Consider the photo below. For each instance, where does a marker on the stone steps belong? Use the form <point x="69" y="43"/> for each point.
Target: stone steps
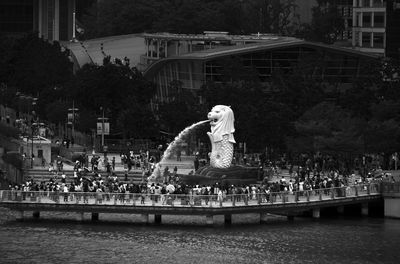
<point x="45" y="175"/>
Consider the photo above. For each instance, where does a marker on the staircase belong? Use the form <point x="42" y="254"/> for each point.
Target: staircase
<point x="43" y="174"/>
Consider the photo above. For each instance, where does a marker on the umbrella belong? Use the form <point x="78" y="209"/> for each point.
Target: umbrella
<point x="170" y="188"/>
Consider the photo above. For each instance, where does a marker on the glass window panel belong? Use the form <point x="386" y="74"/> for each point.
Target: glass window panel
<point x="379" y="19"/>
<point x="378" y="40"/>
<point x="367" y="19"/>
<point x="366" y="39"/>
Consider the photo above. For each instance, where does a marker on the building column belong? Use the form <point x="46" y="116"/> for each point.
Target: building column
<point x="316" y="213"/>
<point x="157" y="219"/>
<point x="151" y="48"/>
<point x="290" y="217"/>
<point x="364" y="209"/>
<point x="36" y="214"/>
<point x="228" y="219"/>
<point x="56" y="26"/>
<point x="145" y="218"/>
<point x="40" y="18"/>
<point x="158" y="49"/>
<point x="263" y="218"/>
<point x="19" y="215"/>
<point x="340" y="209"/>
<point x="209" y="219"/>
<point x="95" y="217"/>
<point x="80" y="216"/>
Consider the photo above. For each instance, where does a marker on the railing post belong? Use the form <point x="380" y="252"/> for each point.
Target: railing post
<point x="332" y="193"/>
<point x="296" y="196"/>
<point x="369" y="189"/>
<point x="356" y="189"/>
<point x="234" y="200"/>
<point x="308" y="195"/>
<point x="320" y="194"/>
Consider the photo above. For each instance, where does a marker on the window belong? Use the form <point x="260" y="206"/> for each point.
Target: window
<point x="379" y="19"/>
<point x="366" y="17"/>
<point x="357" y="38"/>
<point x="366" y="3"/>
<point x="379" y="3"/>
<point x="366" y="39"/>
<point x="378" y="40"/>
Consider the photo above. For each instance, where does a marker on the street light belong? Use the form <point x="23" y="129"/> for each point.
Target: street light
<point x="104" y="124"/>
<point x="34" y="125"/>
<point x="73" y="110"/>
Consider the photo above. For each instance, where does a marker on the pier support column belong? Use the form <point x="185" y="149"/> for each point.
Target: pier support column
<point x="145" y="218"/>
<point x="364" y="209"/>
<point x="80" y="217"/>
<point x="36" y="214"/>
<point x="210" y="219"/>
<point x="95" y="217"/>
<point x="263" y="218"/>
<point x="316" y="213"/>
<point x="157" y="219"/>
<point x="19" y="215"/>
<point x="340" y="209"/>
<point x="228" y="219"/>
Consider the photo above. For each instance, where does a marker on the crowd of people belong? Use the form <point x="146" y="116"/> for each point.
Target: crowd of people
<point x="93" y="182"/>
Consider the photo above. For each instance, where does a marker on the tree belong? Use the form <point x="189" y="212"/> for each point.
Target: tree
<point x="181" y="111"/>
<point x="259" y="120"/>
<point x="327" y="23"/>
<point x="116" y="87"/>
<point x="137" y="122"/>
<point x="271" y="16"/>
<point x="329" y="129"/>
<point x="38" y="65"/>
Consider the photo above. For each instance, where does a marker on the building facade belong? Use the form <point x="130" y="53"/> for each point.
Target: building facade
<point x="192" y="61"/>
<point x="377" y="27"/>
<point x="53" y="20"/>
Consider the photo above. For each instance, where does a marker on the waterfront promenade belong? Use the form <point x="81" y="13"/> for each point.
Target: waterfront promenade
<point x="145" y="204"/>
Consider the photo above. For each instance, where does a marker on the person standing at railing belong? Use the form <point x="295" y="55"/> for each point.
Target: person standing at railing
<point x="99" y="195"/>
<point x="220" y="197"/>
<point x="65" y="191"/>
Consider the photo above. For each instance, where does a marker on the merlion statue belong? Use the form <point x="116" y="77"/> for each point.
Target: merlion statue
<point x="221" y="136"/>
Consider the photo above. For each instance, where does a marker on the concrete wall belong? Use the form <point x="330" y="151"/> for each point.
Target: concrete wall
<point x="392" y="207"/>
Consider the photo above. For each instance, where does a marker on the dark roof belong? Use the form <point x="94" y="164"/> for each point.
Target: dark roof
<point x="210" y="54"/>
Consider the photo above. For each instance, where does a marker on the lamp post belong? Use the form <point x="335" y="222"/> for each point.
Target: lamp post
<point x="35" y="125"/>
<point x="103" y="127"/>
<point x="73" y="110"/>
<point x="32" y="133"/>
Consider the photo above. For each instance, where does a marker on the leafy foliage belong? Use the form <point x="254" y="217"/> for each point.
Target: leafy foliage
<point x="120" y="90"/>
<point x="190" y="16"/>
<point x="327" y="23"/>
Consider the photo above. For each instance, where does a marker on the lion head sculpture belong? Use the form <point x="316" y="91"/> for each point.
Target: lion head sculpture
<point x="222" y="122"/>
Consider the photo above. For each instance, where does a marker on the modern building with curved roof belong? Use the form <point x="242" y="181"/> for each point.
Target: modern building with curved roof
<point x="194" y="61"/>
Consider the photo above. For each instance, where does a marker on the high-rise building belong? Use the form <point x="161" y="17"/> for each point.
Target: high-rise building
<point x="377" y="26"/>
<point x="51" y="19"/>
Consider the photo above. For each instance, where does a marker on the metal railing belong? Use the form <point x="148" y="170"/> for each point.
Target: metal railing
<point x="187" y="200"/>
<point x="391" y="187"/>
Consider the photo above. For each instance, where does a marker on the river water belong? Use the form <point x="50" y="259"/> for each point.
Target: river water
<point x="185" y="239"/>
